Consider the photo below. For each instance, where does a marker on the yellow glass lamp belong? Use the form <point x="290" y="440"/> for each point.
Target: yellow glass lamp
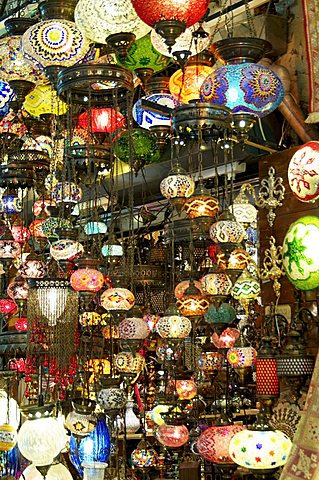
<point x="43" y="99"/>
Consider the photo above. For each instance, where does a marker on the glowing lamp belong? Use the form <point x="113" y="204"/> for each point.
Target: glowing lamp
<point x="56" y="472"/>
<point x="20" y="233"/>
<point x="227" y="230"/>
<point x="40" y="205"/>
<point x="224" y="313"/>
<point x="66" y="192"/>
<point x="260" y="450"/>
<point x="267" y="381"/>
<point x="192" y="303"/>
<point x="213" y="443"/>
<point x="185" y="84"/>
<point x="246" y="289"/>
<point x="186" y="388"/>
<point x="178" y="184"/>
<point x="54" y="42"/>
<point x="210" y="362"/>
<point x="303" y="172"/>
<point x="172" y="436"/>
<point x="237" y="260"/>
<point x="173" y="326"/>
<point x="201" y="204"/>
<point x="87" y="280"/>
<point x="117" y="299"/>
<point x="111" y="396"/>
<point x="89" y="319"/>
<point x="43" y="100"/>
<point x="10" y="204"/>
<point x="81" y="420"/>
<point x="217" y="283"/>
<point x="133" y="328"/>
<point x="41" y="438"/>
<point x="101" y="120"/>
<point x="66" y="249"/>
<point x="18" y="289"/>
<point x="181" y="288"/>
<point x="239" y="356"/>
<point x="21" y="324"/>
<point x="9" y="248"/>
<point x="142" y="54"/>
<point x="35" y="228"/>
<point x="95" y="228"/>
<point x="126" y="362"/>
<point x="8" y="437"/>
<point x="33" y="267"/>
<point x="226" y="339"/>
<point x="9" y="410"/>
<point x="146" y="118"/>
<point x="144" y="456"/>
<point x="300" y="254"/>
<point x="8" y="306"/>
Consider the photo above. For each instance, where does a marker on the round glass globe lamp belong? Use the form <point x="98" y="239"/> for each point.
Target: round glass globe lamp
<point x="66" y="192"/>
<point x="173" y="326"/>
<point x="21" y="324"/>
<point x="126" y="362"/>
<point x="213" y="443"/>
<point x="185" y="84"/>
<point x="55" y="472"/>
<point x="224" y="313"/>
<point x="192" y="303"/>
<point x="54" y="42"/>
<point x="20" y="233"/>
<point x="300" y="256"/>
<point x="201" y="204"/>
<point x="142" y="54"/>
<point x="117" y="299"/>
<point x="18" y="289"/>
<point x="8" y="306"/>
<point x="260" y="450"/>
<point x="217" y="283"/>
<point x="178" y="184"/>
<point x="81" y="420"/>
<point x="144" y="456"/>
<point x="146" y="118"/>
<point x="181" y="288"/>
<point x="244" y="88"/>
<point x="51" y="224"/>
<point x="89" y="319"/>
<point x="66" y="249"/>
<point x="10" y="204"/>
<point x="172" y="436"/>
<point x="246" y="288"/>
<point x="101" y="120"/>
<point x="41" y="438"/>
<point x="210" y="362"/>
<point x="186" y="388"/>
<point x="241" y="356"/>
<point x="226" y="339"/>
<point x="33" y="267"/>
<point x="95" y="228"/>
<point x="133" y="328"/>
<point x="9" y="248"/>
<point x="6" y="96"/>
<point x="87" y="280"/>
<point x="238" y="259"/>
<point x="116" y="17"/>
<point x="303" y="172"/>
<point x="111" y="396"/>
<point x="227" y="231"/>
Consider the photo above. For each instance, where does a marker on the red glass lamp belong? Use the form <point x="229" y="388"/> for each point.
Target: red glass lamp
<point x="8" y="306"/>
<point x="213" y="443"/>
<point x="101" y="120"/>
<point x="21" y="324"/>
<point x="173" y="434"/>
<point x="267" y="381"/>
<point x="87" y="278"/>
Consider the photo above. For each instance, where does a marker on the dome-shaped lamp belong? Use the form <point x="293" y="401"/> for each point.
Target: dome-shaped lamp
<point x="201" y="207"/>
<point x="111" y="396"/>
<point x="56" y="472"/>
<point x="173" y="433"/>
<point x="173" y="325"/>
<point x="81" y="421"/>
<point x="216" y="285"/>
<point x="226" y="232"/>
<point x="144" y="456"/>
<point x="222" y="314"/>
<point x="244" y="211"/>
<point x="117" y="299"/>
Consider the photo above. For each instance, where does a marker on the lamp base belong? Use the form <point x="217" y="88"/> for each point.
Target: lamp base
<point x="170" y="30"/>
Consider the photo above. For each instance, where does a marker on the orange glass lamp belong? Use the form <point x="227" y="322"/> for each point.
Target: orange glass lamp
<point x="185" y="84"/>
<point x="210" y="362"/>
<point x="201" y="203"/>
<point x="193" y="303"/>
<point x="87" y="278"/>
<point x="185" y="386"/>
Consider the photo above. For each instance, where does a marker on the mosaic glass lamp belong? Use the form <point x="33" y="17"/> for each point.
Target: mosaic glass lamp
<point x="185" y="84"/>
<point x="54" y="42"/>
<point x="44" y="100"/>
<point x="193" y="303"/>
<point x="267" y="381"/>
<point x="10" y="204"/>
<point x="216" y="284"/>
<point x="133" y="328"/>
<point x="226" y="230"/>
<point x="303" y="172"/>
<point x="173" y="324"/>
<point x="226" y="339"/>
<point x="209" y="362"/>
<point x="213" y="443"/>
<point x="6" y="96"/>
<point x="115" y="16"/>
<point x="300" y="257"/>
<point x="146" y="118"/>
<point x="81" y="421"/>
<point x="241" y="85"/>
<point x="201" y="203"/>
<point x="144" y="456"/>
<point x="224" y="313"/>
<point x="172" y="435"/>
<point x="87" y="278"/>
<point x="101" y="120"/>
<point x="117" y="299"/>
<point x="185" y="387"/>
<point x="177" y="186"/>
<point x="246" y="289"/>
<point x="140" y="144"/>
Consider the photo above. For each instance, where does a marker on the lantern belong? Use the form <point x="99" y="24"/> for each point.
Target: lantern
<point x="143" y="146"/>
<point x="146" y="118"/>
<point x="178" y="184"/>
<point x="172" y="435"/>
<point x="20" y="233"/>
<point x="237" y="260"/>
<point x="185" y="387"/>
<point x="21" y="324"/>
<point x="201" y="204"/>
<point x="8" y="306"/>
<point x="246" y="289"/>
<point x="300" y="256"/>
<point x="66" y="249"/>
<point x="95" y="228"/>
<point x="144" y="456"/>
<point x="6" y="96"/>
<point x="173" y="326"/>
<point x="226" y="339"/>
<point x="143" y="55"/>
<point x="40" y="205"/>
<point x="217" y="284"/>
<point x="267" y="381"/>
<point x="9" y="410"/>
<point x="133" y="328"/>
<point x="210" y="362"/>
<point x="33" y="267"/>
<point x="10" y="204"/>
<point x="54" y="42"/>
<point x="126" y="362"/>
<point x="44" y="100"/>
<point x="116" y="17"/>
<point x="18" y="289"/>
<point x="303" y="172"/>
<point x="193" y="302"/>
<point x="41" y="438"/>
<point x="66" y="192"/>
<point x="81" y="421"/>
<point x="227" y="230"/>
<point x="106" y="120"/>
<point x="117" y="299"/>
<point x="241" y="357"/>
<point x="225" y="313"/>
<point x="87" y="278"/>
<point x="89" y="319"/>
<point x="51" y="224"/>
<point x="111" y="396"/>
<point x="213" y="443"/>
<point x="9" y="248"/>
<point x="8" y="437"/>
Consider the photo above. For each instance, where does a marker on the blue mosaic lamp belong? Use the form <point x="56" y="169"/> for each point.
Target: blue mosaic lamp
<point x="6" y="96"/>
<point x="146" y="118"/>
<point x="243" y="85"/>
<point x="95" y="447"/>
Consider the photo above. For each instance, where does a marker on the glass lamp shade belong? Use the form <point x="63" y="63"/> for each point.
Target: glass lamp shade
<point x="142" y="54"/>
<point x="95" y="228"/>
<point x="198" y="206"/>
<point x="290" y="365"/>
<point x="81" y="420"/>
<point x="8" y="437"/>
<point x="126" y="362"/>
<point x="146" y="118"/>
<point x="44" y="100"/>
<point x="172" y="436"/>
<point x="241" y="356"/>
<point x="188" y="12"/>
<point x="18" y="289"/>
<point x="300" y="256"/>
<point x="303" y="172"/>
<point x="246" y="288"/>
<point x="117" y="299"/>
<point x="113" y="249"/>
<point x="8" y="306"/>
<point x="113" y="17"/>
<point x="225" y="313"/>
<point x="186" y="389"/>
<point x="244" y="212"/>
<point x="244" y="88"/>
<point x="111" y="396"/>
<point x="133" y="328"/>
<point x="166" y="352"/>
<point x="33" y="268"/>
<point x="10" y="204"/>
<point x="151" y="319"/>
<point x="185" y="84"/>
<point x="44" y="144"/>
<point x="66" y="192"/>
<point x="9" y="249"/>
<point x="21" y="324"/>
<point x="95" y="447"/>
<point x="144" y="149"/>
<point x="217" y="283"/>
<point x="226" y="339"/>
<point x="56" y="472"/>
<point x="227" y="231"/>
<point x="260" y="450"/>
<point x="40" y="440"/>
<point x="238" y="260"/>
<point x="87" y="280"/>
<point x="267" y="381"/>
<point x="185" y="41"/>
<point x="101" y="120"/>
<point x="213" y="443"/>
<point x="144" y="456"/>
<point x="9" y="410"/>
<point x="51" y="224"/>
<point x="89" y="319"/>
<point x="20" y="233"/>
<point x="192" y="304"/>
<point x="177" y="185"/>
<point x="210" y="362"/>
<point x="6" y="95"/>
<point x="94" y="470"/>
<point x="35" y="228"/>
<point x="181" y="288"/>
<point x="54" y="42"/>
<point x="66" y="249"/>
<point x="173" y="326"/>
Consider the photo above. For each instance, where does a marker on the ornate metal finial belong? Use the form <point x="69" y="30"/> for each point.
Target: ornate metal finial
<point x="271" y="194"/>
<point x="272" y="265"/>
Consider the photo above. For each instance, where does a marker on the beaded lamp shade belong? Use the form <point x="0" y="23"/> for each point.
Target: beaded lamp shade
<point x="13" y="65"/>
<point x="260" y="450"/>
<point x="303" y="172"/>
<point x="187" y="12"/>
<point x="267" y="382"/>
<point x="117" y="299"/>
<point x="54" y="42"/>
<point x="213" y="443"/>
<point x="40" y="205"/>
<point x="142" y="54"/>
<point x="146" y="118"/>
<point x="185" y="84"/>
<point x="113" y="17"/>
<point x="173" y="326"/>
<point x="44" y="100"/>
<point x="300" y="257"/>
<point x="6" y="95"/>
